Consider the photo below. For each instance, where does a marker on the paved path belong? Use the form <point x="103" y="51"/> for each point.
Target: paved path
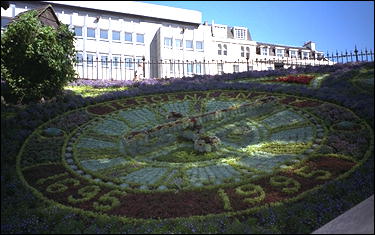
<point x="357" y="220"/>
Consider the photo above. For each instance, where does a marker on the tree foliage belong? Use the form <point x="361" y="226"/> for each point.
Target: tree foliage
<point x="39" y="60"/>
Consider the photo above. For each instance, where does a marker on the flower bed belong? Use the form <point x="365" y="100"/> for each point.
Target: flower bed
<point x="300" y="79"/>
<point x="281" y="159"/>
<point x="242" y="194"/>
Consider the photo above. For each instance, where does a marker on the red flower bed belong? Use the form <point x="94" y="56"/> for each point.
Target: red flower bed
<point x="116" y="105"/>
<point x="306" y="103"/>
<point x="287" y="100"/>
<point x="100" y="109"/>
<point x="300" y="79"/>
<point x="180" y="204"/>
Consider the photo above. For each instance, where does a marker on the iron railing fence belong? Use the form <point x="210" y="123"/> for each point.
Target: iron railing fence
<point x="352" y="56"/>
<point x="96" y="68"/>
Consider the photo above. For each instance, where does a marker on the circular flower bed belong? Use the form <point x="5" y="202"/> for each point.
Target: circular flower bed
<point x="251" y="150"/>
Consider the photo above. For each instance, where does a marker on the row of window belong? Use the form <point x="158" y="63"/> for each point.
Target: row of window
<point x="281" y="53"/>
<point x="131" y="62"/>
<point x="104" y="34"/>
<point x="197" y="68"/>
<point x="104" y="60"/>
<point x="179" y="43"/>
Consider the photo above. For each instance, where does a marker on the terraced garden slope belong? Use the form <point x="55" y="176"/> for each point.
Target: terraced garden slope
<point x="205" y="154"/>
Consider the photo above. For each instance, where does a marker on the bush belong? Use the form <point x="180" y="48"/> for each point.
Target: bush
<point x="39" y="59"/>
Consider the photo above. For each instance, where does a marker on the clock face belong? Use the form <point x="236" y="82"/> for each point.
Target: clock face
<point x="187" y="154"/>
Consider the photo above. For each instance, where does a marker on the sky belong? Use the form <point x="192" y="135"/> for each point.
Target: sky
<point x="332" y="25"/>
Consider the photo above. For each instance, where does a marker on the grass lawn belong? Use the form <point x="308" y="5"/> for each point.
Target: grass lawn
<point x="88" y="91"/>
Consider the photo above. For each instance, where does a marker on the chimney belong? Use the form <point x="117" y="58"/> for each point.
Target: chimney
<point x="311" y="45"/>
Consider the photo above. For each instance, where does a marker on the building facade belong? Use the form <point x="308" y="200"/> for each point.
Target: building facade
<point x="133" y="40"/>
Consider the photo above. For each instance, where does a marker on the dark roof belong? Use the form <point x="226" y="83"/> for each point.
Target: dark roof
<point x="230" y="32"/>
<point x="4" y="5"/>
<point x="46" y="15"/>
<point x="278" y="45"/>
<point x="249" y="35"/>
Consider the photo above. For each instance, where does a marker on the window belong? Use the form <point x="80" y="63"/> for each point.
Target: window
<point x="129" y="63"/>
<point x="242" y="52"/>
<point x="189" y="44"/>
<point x="264" y="51"/>
<point x="247" y="52"/>
<point x="225" y="50"/>
<point x="305" y="55"/>
<point x="171" y="67"/>
<point x="220" y="68"/>
<point x="236" y="68"/>
<point x="168" y="42"/>
<point x="90" y="60"/>
<point x="5" y="22"/>
<point x="104" y="34"/>
<point x="240" y="33"/>
<point x="79" y="58"/>
<point x="78" y="31"/>
<point x="189" y="68"/>
<point x="198" y="68"/>
<point x="293" y="54"/>
<point x="115" y="61"/>
<point x="139" y="60"/>
<point x="140" y="38"/>
<point x="178" y="43"/>
<point x="219" y="49"/>
<point x="280" y="52"/>
<point x="90" y="32"/>
<point x="104" y="61"/>
<point x="128" y="37"/>
<point x="116" y="35"/>
<point x="199" y="45"/>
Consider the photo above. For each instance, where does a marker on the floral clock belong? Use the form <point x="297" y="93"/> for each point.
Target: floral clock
<point x="176" y="155"/>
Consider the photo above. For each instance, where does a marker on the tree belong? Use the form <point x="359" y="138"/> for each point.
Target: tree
<point x="39" y="59"/>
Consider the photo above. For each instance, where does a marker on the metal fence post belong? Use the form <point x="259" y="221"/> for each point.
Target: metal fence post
<point x="97" y="67"/>
<point x="356" y="53"/>
<point x="110" y="61"/>
<point x="204" y="66"/>
<point x="346" y="55"/>
<point x="144" y="67"/>
<point x="371" y="55"/>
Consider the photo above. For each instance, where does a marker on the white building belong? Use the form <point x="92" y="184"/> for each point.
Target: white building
<point x="126" y="40"/>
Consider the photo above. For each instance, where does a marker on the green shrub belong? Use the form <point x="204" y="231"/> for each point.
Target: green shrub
<point x="39" y="59"/>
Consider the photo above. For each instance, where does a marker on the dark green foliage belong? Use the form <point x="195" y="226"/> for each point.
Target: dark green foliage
<point x="38" y="60"/>
<point x="42" y="150"/>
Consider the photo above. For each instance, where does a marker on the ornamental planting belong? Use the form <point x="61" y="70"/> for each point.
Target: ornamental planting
<point x="186" y="154"/>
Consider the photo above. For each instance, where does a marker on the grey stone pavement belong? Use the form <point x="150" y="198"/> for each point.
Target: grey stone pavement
<point x="357" y="220"/>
